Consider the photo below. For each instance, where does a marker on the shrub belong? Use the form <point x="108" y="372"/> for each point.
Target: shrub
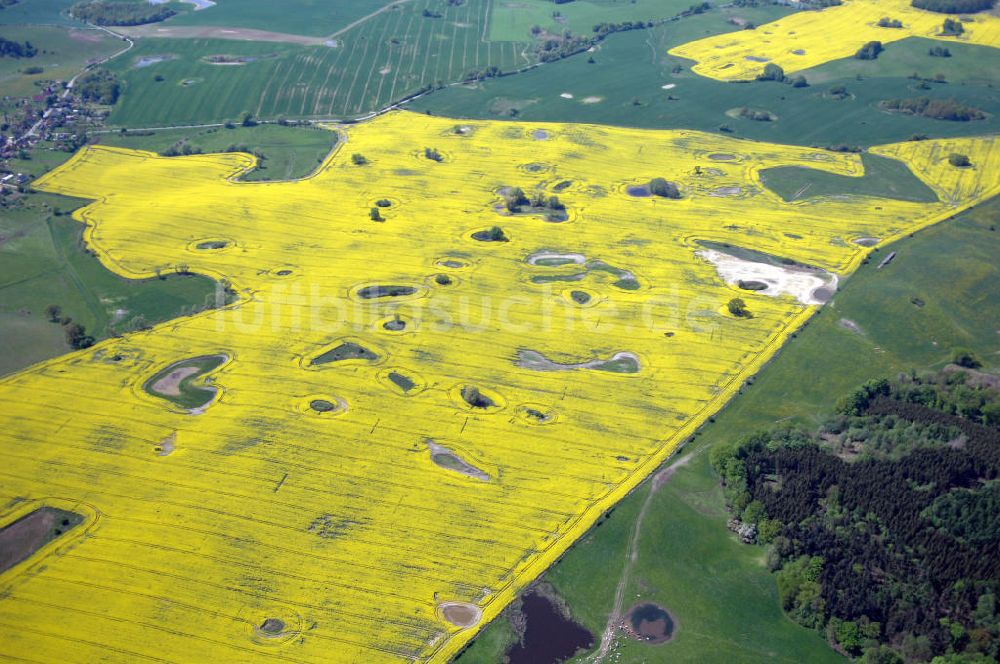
<point x="886" y="22"/>
<point x="964" y="357"/>
<point x="358" y="159"/>
<point x="375" y="215"/>
<point x="800" y="82"/>
<point x="433" y="155"/>
<point x="959" y="160"/>
<point x="939" y="52"/>
<point x="756" y="116"/>
<point x="663" y="188"/>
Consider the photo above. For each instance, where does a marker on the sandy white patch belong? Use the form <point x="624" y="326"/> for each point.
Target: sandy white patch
<point x="669" y="86"/>
<point x="566" y="95"/>
<point x="592" y="100"/>
<point x="801" y="283"/>
<point x="385" y="70"/>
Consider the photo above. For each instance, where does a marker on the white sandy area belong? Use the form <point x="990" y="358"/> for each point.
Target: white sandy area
<point x="798" y="282"/>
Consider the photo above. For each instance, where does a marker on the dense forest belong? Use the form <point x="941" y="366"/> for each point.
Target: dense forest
<point x="15" y="49"/>
<point x="953" y="6"/>
<point x="883" y="526"/>
<point x="105" y="12"/>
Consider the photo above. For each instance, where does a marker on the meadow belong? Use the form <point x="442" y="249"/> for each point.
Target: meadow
<point x="62" y="53"/>
<point x="633" y="81"/>
<point x="512" y="20"/>
<point x="719" y="591"/>
<point x="41" y="263"/>
<point x="378" y="62"/>
<point x="289" y="152"/>
<point x="388" y="416"/>
<point x="39" y="12"/>
<point x="805" y="40"/>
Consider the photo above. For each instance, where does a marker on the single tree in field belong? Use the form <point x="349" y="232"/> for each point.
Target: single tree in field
<point x="663" y="188"/>
<point x="738" y="308"/>
<point x="53" y="311"/>
<point x="959" y="160"/>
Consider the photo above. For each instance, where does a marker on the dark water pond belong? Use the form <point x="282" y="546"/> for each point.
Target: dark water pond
<point x="650" y="623"/>
<point x="549" y="637"/>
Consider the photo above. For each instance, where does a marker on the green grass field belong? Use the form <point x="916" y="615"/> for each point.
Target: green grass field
<point x="42" y="263"/>
<point x="968" y="64"/>
<point x="883" y="177"/>
<point x="315" y="18"/>
<point x="290" y="152"/>
<point x="62" y="54"/>
<point x="380" y="61"/>
<point x="40" y="12"/>
<point x="633" y="67"/>
<point x="724" y="599"/>
<point x="512" y="20"/>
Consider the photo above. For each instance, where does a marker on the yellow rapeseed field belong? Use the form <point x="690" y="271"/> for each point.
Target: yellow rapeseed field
<point x="384" y="505"/>
<point x="810" y="38"/>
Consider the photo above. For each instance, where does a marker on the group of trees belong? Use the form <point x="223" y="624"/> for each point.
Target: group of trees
<point x="952" y="28"/>
<point x="869" y="51"/>
<point x="107" y="12"/>
<point x="937" y="109"/>
<point x="517" y="202"/>
<point x="756" y="115"/>
<point x="99" y="86"/>
<point x="76" y="334"/>
<point x="15" y="49"/>
<point x="939" y="52"/>
<point x="882" y="525"/>
<point x="773" y="72"/>
<point x="886" y="22"/>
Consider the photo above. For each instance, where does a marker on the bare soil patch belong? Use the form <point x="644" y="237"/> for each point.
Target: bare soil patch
<point x="170" y="385"/>
<point x="21" y="539"/>
<point x="621" y="362"/>
<point x="461" y="614"/>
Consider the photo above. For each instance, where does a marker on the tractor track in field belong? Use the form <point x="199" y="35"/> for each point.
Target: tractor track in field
<point x="616" y="615"/>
